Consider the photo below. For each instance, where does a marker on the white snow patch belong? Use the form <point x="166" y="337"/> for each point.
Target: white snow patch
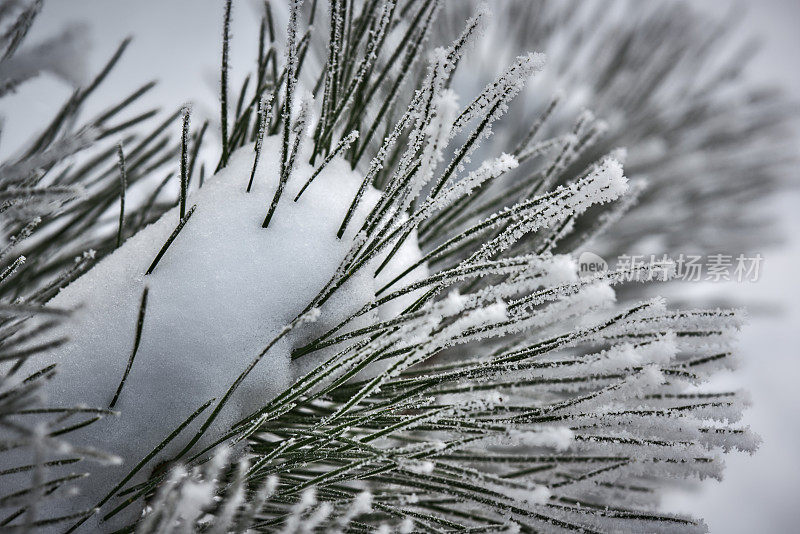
<point x="222" y="291"/>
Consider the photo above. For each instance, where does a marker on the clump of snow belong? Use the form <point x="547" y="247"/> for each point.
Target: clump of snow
<point x="554" y="437"/>
<point x="535" y="495"/>
<point x="453" y="303"/>
<point x="659" y="351"/>
<point x="361" y="504"/>
<point x="222" y="291"/>
<point x="419" y="467"/>
<point x="406" y="526"/>
<point x="540" y="495"/>
<point x="650" y="377"/>
<point x="561" y="269"/>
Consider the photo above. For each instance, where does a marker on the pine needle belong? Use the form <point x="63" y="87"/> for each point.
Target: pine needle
<point x="136" y="341"/>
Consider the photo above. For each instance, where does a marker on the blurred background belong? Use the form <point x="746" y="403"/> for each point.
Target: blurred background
<point x="177" y="42"/>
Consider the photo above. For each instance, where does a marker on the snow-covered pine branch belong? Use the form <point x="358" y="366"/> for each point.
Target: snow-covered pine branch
<point x="406" y="346"/>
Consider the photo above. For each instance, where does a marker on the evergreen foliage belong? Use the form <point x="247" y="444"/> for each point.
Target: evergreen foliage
<point x="509" y="393"/>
